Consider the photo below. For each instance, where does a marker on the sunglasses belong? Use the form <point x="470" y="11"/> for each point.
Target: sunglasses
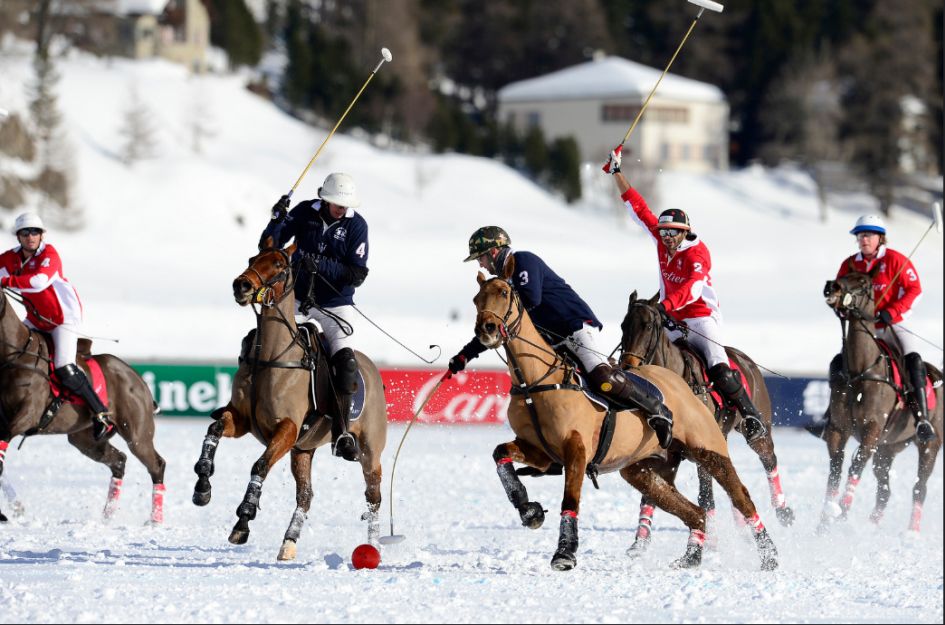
<point x="670" y="232"/>
<point x="26" y="232"/>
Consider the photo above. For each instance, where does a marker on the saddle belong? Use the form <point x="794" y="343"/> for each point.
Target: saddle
<point x="698" y="377"/>
<point x="321" y="386"/>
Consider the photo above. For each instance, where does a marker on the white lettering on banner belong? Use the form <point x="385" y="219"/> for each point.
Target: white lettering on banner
<point x="202" y="396"/>
<point x="148" y="377"/>
<point x="816" y="398"/>
<point x="224" y="389"/>
<point x="462" y="407"/>
<point x="173" y="395"/>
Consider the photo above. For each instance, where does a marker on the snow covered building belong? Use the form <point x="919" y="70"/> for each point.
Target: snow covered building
<point x="684" y="127"/>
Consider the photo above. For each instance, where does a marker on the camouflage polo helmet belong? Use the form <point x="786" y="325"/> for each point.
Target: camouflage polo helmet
<point x="485" y="239"/>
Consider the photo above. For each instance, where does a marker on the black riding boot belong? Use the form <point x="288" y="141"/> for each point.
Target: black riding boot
<point x="918" y="403"/>
<point x="71" y="377"/>
<point x="615" y="385"/>
<point x="344" y="369"/>
<point x="727" y="381"/>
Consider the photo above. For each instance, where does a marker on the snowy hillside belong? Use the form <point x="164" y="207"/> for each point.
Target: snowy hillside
<point x="165" y="238"/>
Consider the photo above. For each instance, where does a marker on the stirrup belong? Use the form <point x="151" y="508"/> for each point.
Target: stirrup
<point x="924" y="432"/>
<point x="663" y="426"/>
<point x="753" y="428"/>
<point x="346" y="446"/>
<point x="101" y="425"/>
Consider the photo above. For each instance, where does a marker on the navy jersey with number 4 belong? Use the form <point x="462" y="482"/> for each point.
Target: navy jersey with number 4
<point x="341" y="247"/>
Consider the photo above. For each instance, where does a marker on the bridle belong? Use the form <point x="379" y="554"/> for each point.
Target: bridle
<point x="265" y="295"/>
<point x="654" y="328"/>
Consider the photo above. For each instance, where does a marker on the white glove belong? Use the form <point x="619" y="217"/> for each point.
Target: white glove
<point x="613" y="162"/>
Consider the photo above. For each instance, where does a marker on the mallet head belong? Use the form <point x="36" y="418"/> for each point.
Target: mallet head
<point x="708" y="4"/>
<point x="387" y="55"/>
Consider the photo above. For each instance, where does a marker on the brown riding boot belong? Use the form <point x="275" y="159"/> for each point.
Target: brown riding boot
<point x="615" y="385"/>
<point x="71" y="377"/>
<point x="727" y="381"/>
<point x="918" y="403"/>
<point x="344" y="369"/>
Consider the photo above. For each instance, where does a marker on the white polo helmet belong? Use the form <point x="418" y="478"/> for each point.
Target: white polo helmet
<point x="28" y="220"/>
<point x="869" y="223"/>
<point x="339" y="189"/>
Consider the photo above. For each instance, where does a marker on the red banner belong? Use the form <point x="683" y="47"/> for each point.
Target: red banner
<point x="467" y="397"/>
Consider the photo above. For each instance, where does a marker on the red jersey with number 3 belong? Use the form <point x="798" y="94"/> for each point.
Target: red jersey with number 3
<point x="685" y="285"/>
<point x="907" y="289"/>
<point x="53" y="300"/>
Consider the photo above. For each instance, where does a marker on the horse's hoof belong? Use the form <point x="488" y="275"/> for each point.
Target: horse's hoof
<point x="240" y="533"/>
<point x="287" y="552"/>
<point x="639" y="547"/>
<point x="563" y="561"/>
<point x="785" y="516"/>
<point x="201" y="498"/>
<point x="3" y="518"/>
<point x="533" y="515"/>
<point x="692" y="559"/>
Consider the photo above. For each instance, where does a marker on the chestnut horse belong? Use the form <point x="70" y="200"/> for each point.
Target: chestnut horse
<point x="643" y="342"/>
<point x="271" y="399"/>
<point x="555" y="423"/>
<point x="26" y="398"/>
<point x="865" y="403"/>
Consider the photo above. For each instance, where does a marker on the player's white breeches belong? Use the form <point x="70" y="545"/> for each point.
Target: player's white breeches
<point x="898" y="333"/>
<point x="583" y="343"/>
<point x="335" y="323"/>
<point x="706" y="337"/>
<point x="65" y="338"/>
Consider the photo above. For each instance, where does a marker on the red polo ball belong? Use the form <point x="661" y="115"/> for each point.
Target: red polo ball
<point x="365" y="557"/>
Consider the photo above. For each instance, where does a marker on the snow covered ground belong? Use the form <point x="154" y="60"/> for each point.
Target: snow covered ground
<point x="466" y="557"/>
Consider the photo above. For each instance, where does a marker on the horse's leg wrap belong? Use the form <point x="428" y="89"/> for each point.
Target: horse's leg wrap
<point x="114" y="494"/>
<point x="694" y="547"/>
<point x="727" y="381"/>
<point x="157" y="504"/>
<point x="247" y="509"/>
<point x="531" y="512"/>
<point x="766" y="549"/>
<point x="778" y="500"/>
<point x="344" y="369"/>
<point x="205" y="467"/>
<point x="374" y="524"/>
<point x="916" y="521"/>
<point x="641" y="541"/>
<point x="564" y="558"/>
<point x="295" y="525"/>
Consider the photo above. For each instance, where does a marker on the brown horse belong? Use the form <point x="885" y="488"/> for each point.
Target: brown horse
<point x="866" y="403"/>
<point x="643" y="342"/>
<point x="271" y="399"/>
<point x="555" y="423"/>
<point x="26" y="404"/>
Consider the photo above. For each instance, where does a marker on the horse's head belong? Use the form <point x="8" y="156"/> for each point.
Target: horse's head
<point x="265" y="280"/>
<point x="639" y="330"/>
<point x="496" y="304"/>
<point x="853" y="293"/>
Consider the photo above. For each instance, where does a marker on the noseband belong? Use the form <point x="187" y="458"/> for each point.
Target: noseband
<point x="265" y="294"/>
<point x="850" y="300"/>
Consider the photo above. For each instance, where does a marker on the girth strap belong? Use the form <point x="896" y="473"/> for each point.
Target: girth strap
<point x="603" y="445"/>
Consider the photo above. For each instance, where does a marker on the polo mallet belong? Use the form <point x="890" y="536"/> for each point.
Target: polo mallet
<point x="703" y="5"/>
<point x="385" y="57"/>
<point x="393" y="539"/>
<point x="937" y="222"/>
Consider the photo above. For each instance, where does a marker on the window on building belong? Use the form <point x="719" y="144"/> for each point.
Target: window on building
<point x="666" y="151"/>
<point x="684" y="152"/>
<point x="533" y="119"/>
<point x="618" y="112"/>
<point x="669" y="114"/>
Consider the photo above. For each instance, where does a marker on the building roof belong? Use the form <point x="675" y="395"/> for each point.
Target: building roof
<point x="609" y="77"/>
<point x="142" y="7"/>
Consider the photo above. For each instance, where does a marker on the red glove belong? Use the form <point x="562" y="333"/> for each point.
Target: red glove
<point x="613" y="161"/>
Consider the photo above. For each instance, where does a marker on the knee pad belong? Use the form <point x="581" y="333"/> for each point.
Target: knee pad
<point x="725" y="379"/>
<point x="345" y="369"/>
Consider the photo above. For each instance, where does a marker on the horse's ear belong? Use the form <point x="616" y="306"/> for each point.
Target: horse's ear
<point x="633" y="298"/>
<point x="509" y="269"/>
<point x="480" y="278"/>
<point x="265" y="244"/>
<point x="291" y="249"/>
<point x="655" y="298"/>
<point x="851" y="266"/>
<point x="874" y="269"/>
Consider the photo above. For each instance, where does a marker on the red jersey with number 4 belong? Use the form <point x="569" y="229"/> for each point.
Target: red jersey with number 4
<point x="906" y="290"/>
<point x="53" y="299"/>
<point x="685" y="285"/>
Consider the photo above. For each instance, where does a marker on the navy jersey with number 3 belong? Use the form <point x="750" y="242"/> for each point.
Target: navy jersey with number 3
<point x="552" y="304"/>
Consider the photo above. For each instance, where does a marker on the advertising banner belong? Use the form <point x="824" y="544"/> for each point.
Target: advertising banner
<point x="468" y="397"/>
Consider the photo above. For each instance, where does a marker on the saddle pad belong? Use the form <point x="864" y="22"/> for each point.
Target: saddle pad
<point x="357" y="400"/>
<point x="96" y="377"/>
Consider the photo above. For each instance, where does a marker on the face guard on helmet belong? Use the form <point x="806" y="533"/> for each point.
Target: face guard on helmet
<point x="485" y="239"/>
